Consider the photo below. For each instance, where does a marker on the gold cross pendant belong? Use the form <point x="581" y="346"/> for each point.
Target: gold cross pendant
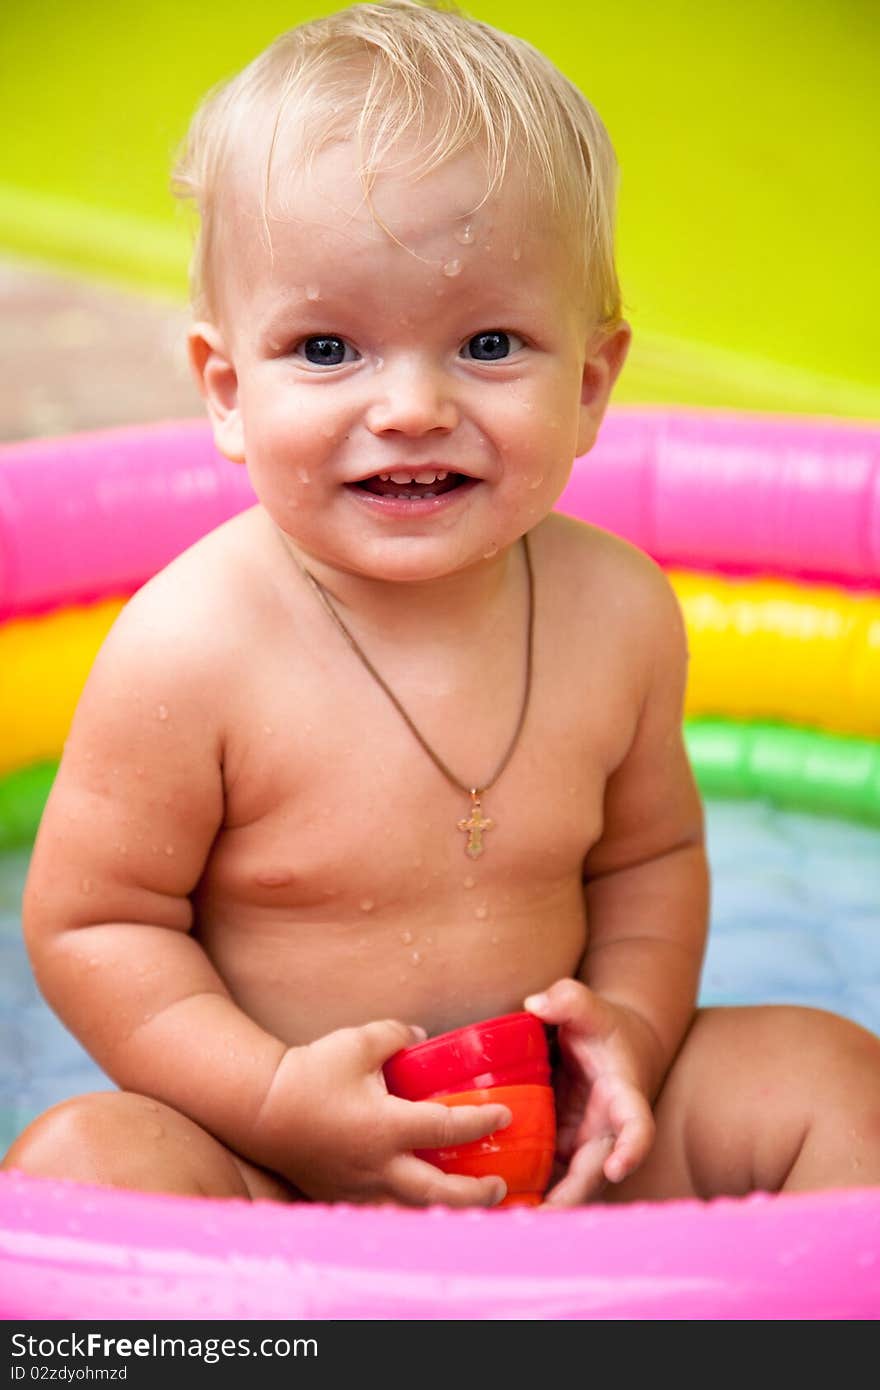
<point x="474" y="825"/>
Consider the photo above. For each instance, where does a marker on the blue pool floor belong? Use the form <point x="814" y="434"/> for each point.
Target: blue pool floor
<point x="795" y="919"/>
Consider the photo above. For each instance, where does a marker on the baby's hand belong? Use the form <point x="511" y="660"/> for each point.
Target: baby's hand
<point x="605" y="1127"/>
<point x="339" y="1136"/>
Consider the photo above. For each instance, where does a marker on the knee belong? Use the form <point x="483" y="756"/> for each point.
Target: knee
<point x="78" y="1138"/>
<point x="832" y="1047"/>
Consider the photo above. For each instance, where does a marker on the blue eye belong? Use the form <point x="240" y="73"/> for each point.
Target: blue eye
<point x="493" y="346"/>
<point x="326" y="350"/>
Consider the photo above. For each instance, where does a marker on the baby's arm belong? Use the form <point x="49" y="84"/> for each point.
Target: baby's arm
<point x="646" y="890"/>
<point x="108" y="920"/>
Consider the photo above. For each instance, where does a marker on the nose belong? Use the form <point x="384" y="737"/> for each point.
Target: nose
<point x="412" y="399"/>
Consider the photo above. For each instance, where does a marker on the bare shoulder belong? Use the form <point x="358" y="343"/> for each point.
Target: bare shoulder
<point x="158" y="691"/>
<point x="588" y="569"/>
<point x="186" y="623"/>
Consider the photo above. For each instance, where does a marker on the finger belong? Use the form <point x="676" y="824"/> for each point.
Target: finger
<point x="585" y="1177"/>
<point x="634" y="1140"/>
<point x="566" y="1001"/>
<point x="417" y="1183"/>
<point x="380" y="1040"/>
<point x="427" y="1124"/>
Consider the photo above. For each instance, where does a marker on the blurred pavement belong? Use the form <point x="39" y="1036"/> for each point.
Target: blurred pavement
<point x="79" y="355"/>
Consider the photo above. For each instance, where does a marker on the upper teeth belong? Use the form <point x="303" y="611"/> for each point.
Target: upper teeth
<point x="426" y="475"/>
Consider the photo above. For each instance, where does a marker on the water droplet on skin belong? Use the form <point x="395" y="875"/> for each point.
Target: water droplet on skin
<point x="452" y="268"/>
<point x="416" y="958"/>
<point x="367" y="904"/>
<point x="313" y="292"/>
<point x="406" y="937"/>
<point x="536" y="482"/>
<point x="429" y="940"/>
<point x="481" y="912"/>
<point x="162" y="712"/>
<point x="493" y="550"/>
<point x="304" y="475"/>
<point x="154" y="1130"/>
<point x="470" y="882"/>
<point x="464" y="235"/>
<point x="517" y="252"/>
<point x="169" y="850"/>
<point x="86" y="885"/>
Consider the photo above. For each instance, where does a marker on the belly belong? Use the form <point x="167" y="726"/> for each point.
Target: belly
<point x="301" y="975"/>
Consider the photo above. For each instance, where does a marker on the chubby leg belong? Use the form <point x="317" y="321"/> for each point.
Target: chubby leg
<point x="769" y="1099"/>
<point x="116" y="1139"/>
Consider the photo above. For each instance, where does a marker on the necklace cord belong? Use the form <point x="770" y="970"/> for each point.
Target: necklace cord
<point x="468" y="787"/>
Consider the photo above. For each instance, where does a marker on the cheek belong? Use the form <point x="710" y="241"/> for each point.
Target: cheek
<point x="290" y="421"/>
<point x="542" y="425"/>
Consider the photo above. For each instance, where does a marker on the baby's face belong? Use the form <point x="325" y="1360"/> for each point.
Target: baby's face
<point x="405" y="383"/>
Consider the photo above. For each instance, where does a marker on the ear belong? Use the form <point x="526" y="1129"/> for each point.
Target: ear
<point x="606" y="354"/>
<point x="217" y="381"/>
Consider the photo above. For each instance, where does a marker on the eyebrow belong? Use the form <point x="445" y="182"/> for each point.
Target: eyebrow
<point x="280" y="318"/>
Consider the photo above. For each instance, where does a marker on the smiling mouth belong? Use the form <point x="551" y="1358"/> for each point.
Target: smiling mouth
<point x="412" y="487"/>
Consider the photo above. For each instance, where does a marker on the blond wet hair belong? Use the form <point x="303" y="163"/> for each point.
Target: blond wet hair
<point x="384" y="72"/>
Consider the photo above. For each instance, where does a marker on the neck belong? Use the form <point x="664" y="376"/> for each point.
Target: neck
<point x="423" y="611"/>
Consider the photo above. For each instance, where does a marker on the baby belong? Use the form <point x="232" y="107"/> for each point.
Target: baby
<point x="400" y="748"/>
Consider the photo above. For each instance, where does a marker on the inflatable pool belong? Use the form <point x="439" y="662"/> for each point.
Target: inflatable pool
<point x="770" y="529"/>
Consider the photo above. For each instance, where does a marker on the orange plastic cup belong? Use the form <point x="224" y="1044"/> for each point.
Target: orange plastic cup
<point x="521" y="1154"/>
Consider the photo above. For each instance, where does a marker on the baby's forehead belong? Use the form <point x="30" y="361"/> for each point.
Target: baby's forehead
<point x="436" y="236"/>
<point x="330" y="193"/>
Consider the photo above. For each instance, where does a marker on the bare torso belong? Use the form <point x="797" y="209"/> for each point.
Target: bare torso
<point x="338" y="889"/>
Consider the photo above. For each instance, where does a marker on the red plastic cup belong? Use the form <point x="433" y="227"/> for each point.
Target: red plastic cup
<point x="503" y="1060"/>
<point x="510" y="1050"/>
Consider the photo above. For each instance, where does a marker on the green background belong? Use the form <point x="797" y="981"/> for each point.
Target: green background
<point x="747" y="135"/>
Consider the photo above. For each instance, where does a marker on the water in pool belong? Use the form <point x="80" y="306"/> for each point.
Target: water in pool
<point x="795" y="919"/>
